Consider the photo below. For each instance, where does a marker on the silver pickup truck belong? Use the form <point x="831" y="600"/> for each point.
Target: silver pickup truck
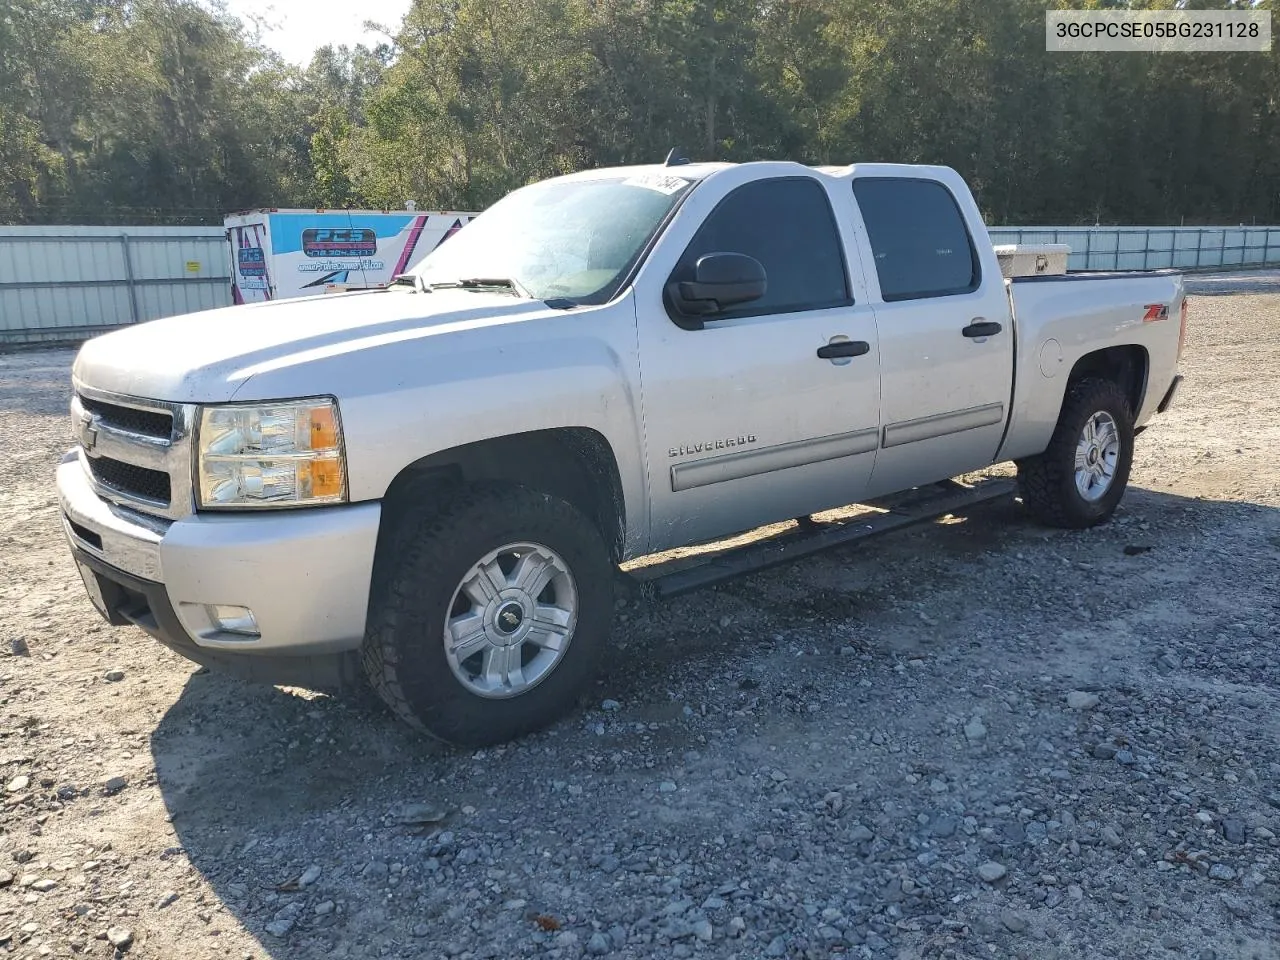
<point x="434" y="485"/>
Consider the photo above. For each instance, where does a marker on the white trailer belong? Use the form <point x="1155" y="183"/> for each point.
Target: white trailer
<point x="277" y="254"/>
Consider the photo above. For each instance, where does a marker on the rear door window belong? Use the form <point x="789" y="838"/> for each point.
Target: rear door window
<point x="787" y="224"/>
<point x="918" y="236"/>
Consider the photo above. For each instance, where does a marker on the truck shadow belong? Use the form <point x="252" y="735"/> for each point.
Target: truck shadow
<point x="263" y="783"/>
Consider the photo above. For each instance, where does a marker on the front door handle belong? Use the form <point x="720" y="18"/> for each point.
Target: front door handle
<point x="981" y="328"/>
<point x="844" y="348"/>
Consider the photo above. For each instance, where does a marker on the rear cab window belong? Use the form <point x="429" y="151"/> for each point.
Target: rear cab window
<point x="787" y="224"/>
<point x="918" y="236"/>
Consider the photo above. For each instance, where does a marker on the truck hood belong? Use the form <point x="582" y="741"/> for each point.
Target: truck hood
<point x="207" y="357"/>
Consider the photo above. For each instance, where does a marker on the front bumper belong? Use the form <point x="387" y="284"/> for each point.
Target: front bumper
<point x="304" y="573"/>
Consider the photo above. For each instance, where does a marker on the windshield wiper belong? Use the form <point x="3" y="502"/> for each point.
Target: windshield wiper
<point x="410" y="280"/>
<point x="481" y="283"/>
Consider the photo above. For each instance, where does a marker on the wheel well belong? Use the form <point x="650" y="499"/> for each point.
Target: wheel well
<point x="1125" y="365"/>
<point x="575" y="464"/>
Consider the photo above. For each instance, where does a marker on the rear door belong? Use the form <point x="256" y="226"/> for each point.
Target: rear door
<point x="946" y="337"/>
<point x="755" y="417"/>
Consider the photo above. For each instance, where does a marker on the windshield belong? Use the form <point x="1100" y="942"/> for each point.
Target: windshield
<point x="571" y="239"/>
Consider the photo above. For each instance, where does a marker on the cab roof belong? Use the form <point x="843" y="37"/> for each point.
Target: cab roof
<point x="686" y="171"/>
<point x="700" y="171"/>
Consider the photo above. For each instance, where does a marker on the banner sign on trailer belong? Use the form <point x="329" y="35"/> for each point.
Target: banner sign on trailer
<point x="293" y="253"/>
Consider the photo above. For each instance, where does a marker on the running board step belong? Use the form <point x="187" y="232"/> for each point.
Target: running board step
<point x="661" y="581"/>
<point x="909" y="500"/>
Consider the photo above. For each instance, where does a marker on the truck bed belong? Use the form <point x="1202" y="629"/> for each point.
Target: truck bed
<point x="1059" y="319"/>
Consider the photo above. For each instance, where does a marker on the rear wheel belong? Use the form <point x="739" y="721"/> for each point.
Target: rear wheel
<point x="491" y="617"/>
<point x="1080" y="478"/>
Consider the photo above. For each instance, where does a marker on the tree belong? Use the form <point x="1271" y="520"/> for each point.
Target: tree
<point x="172" y="110"/>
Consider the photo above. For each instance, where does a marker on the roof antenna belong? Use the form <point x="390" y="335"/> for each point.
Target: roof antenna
<point x="674" y="159"/>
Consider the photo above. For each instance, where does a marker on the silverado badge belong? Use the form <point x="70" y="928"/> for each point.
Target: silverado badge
<point x="708" y="445"/>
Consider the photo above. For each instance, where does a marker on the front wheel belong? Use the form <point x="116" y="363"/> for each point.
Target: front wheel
<point x="491" y="616"/>
<point x="1080" y="478"/>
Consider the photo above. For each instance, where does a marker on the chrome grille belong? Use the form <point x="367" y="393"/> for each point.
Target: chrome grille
<point x="131" y="480"/>
<point x="137" y="452"/>
<point x="148" y="423"/>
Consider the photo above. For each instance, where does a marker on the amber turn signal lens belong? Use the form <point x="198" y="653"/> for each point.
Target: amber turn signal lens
<point x="326" y="477"/>
<point x="324" y="429"/>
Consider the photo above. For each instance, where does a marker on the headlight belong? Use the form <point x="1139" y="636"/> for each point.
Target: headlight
<point x="284" y="454"/>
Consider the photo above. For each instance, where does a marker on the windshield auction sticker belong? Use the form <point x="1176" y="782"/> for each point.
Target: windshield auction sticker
<point x="655" y="181"/>
<point x="1158" y="31"/>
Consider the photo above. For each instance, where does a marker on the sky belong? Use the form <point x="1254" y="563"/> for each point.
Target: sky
<point x="300" y="27"/>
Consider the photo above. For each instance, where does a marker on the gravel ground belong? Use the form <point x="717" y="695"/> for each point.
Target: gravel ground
<point x="976" y="739"/>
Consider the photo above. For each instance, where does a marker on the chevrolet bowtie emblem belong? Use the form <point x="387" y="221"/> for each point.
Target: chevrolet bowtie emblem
<point x="88" y="433"/>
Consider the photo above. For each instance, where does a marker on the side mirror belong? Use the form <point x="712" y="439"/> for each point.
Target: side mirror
<point x="720" y="281"/>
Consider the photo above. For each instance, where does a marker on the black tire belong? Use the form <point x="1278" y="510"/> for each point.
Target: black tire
<point x="404" y="652"/>
<point x="1047" y="484"/>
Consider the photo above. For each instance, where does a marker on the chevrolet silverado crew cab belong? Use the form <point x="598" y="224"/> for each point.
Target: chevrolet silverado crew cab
<point x="435" y="484"/>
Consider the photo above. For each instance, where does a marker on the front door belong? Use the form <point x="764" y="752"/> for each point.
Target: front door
<point x="760" y="415"/>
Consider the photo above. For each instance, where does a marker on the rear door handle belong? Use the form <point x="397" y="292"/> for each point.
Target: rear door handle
<point x="981" y="328"/>
<point x="844" y="348"/>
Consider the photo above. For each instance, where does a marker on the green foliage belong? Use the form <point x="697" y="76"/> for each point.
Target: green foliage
<point x="172" y="110"/>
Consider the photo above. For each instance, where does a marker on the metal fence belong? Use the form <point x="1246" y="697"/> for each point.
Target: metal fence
<point x="1151" y="248"/>
<point x="59" y="283"/>
<point x="69" y="283"/>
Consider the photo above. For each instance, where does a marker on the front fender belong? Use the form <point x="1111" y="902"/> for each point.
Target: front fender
<point x="418" y="396"/>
